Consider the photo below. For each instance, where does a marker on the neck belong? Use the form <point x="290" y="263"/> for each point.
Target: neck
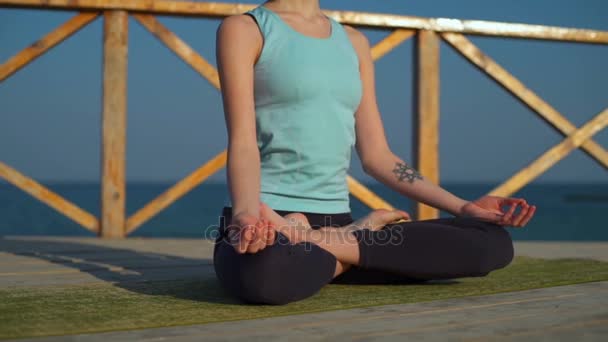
<point x="306" y="8"/>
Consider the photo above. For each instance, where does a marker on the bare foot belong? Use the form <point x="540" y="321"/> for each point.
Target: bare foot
<point x="292" y="225"/>
<point x="297" y="219"/>
<point x="378" y="218"/>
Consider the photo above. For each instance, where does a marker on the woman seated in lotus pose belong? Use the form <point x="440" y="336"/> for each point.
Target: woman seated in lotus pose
<point x="298" y="94"/>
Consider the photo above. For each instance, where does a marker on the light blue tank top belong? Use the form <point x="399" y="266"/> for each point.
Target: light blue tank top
<point x="306" y="92"/>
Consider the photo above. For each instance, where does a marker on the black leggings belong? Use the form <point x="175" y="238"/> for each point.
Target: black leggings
<point x="412" y="251"/>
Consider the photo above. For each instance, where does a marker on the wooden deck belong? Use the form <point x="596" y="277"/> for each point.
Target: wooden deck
<point x="558" y="313"/>
<point x="28" y="261"/>
<point x="565" y="313"/>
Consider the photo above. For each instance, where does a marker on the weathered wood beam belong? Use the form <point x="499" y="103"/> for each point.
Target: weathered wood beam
<point x="50" y="198"/>
<point x="552" y="156"/>
<point x="217" y="9"/>
<point x="509" y="82"/>
<point x="365" y="195"/>
<point x="180" y="48"/>
<point x="45" y="43"/>
<point x="114" y="121"/>
<point x="390" y="42"/>
<point x="426" y="114"/>
<point x="208" y="71"/>
<point x="181" y="8"/>
<point x="176" y="191"/>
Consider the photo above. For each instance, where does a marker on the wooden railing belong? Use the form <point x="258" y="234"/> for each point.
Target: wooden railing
<point x="427" y="31"/>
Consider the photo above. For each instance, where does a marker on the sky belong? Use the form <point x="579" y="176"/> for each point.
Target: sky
<point x="50" y="110"/>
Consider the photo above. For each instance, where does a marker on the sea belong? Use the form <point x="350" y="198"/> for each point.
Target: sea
<point x="565" y="212"/>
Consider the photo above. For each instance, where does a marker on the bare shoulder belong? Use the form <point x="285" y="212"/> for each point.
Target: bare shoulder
<point x="238" y="26"/>
<point x="238" y="37"/>
<point x="358" y="39"/>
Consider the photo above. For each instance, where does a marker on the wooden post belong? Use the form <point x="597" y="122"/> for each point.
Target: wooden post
<point x="527" y="96"/>
<point x="426" y="114"/>
<point x="115" y="33"/>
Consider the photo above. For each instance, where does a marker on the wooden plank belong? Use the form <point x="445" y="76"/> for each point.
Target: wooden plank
<point x="176" y="191"/>
<point x="552" y="156"/>
<point x="525" y="95"/>
<point x="366" y="196"/>
<point x="426" y="114"/>
<point x="44" y="44"/>
<point x="473" y="27"/>
<point x="180" y="8"/>
<point x="390" y="42"/>
<point x="50" y="198"/>
<point x="114" y="124"/>
<point x="217" y="9"/>
<point x="180" y="48"/>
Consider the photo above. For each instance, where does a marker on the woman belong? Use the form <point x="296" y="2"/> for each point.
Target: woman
<point x="298" y="94"/>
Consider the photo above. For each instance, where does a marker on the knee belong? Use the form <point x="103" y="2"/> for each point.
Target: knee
<point x="260" y="282"/>
<point x="499" y="250"/>
<point x="504" y="250"/>
<point x="249" y="277"/>
<point x="279" y="274"/>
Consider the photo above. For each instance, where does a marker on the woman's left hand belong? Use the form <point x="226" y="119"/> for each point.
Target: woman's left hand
<point x="489" y="208"/>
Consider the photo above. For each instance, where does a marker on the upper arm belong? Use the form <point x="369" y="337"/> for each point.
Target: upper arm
<point x="371" y="139"/>
<point x="238" y="42"/>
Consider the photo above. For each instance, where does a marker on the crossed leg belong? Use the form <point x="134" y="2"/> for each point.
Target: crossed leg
<point x="290" y="270"/>
<point x="428" y="249"/>
<point x="336" y="240"/>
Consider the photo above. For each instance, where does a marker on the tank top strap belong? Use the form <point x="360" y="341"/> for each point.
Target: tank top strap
<point x="264" y="20"/>
<point x="272" y="25"/>
<point x="340" y="31"/>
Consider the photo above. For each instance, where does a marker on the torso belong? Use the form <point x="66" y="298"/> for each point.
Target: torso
<point x="307" y="88"/>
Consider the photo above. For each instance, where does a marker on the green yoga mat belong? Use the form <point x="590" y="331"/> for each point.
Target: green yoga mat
<point x="61" y="310"/>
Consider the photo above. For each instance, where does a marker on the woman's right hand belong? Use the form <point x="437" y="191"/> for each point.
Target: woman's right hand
<point x="250" y="234"/>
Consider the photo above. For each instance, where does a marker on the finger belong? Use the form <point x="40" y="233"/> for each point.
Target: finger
<point x="233" y="238"/>
<point x="511" y="200"/>
<point x="270" y="235"/>
<point x="262" y="231"/>
<point x="506" y="219"/>
<point x="524" y="211"/>
<point x="405" y="215"/>
<point x="488" y="217"/>
<point x="245" y="238"/>
<point x="508" y="202"/>
<point x="529" y="215"/>
<point x="260" y="238"/>
<point x="262" y="234"/>
<point x="395" y="215"/>
<point x="254" y="246"/>
<point x="255" y="235"/>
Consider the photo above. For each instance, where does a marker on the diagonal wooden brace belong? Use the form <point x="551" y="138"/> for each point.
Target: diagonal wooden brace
<point x="179" y="47"/>
<point x="50" y="198"/>
<point x="552" y="156"/>
<point x="390" y="42"/>
<point x="44" y="44"/>
<point x="474" y="55"/>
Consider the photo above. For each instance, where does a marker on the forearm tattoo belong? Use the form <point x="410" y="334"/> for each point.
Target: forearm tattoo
<point x="404" y="171"/>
